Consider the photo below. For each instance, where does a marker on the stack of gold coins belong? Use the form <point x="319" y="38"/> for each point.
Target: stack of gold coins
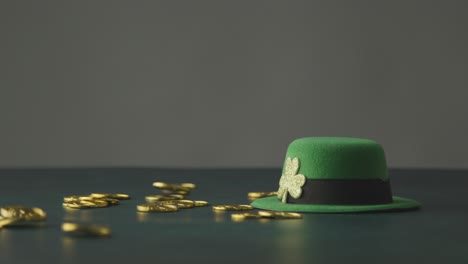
<point x="17" y="214"/>
<point x="171" y="199"/>
<point x="159" y="208"/>
<point x="175" y="188"/>
<point x="94" y="200"/>
<point x="163" y="197"/>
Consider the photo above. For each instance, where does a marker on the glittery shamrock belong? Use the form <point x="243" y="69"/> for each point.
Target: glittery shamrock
<point x="290" y="181"/>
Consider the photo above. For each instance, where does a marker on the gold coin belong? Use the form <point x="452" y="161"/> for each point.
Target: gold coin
<point x="110" y="201"/>
<point x="75" y="198"/>
<point x="118" y="196"/>
<point x="150" y="208"/>
<point x="7" y="221"/>
<point x="160" y="185"/>
<point x="189" y="185"/>
<point x="179" y="192"/>
<point x="163" y="197"/>
<point x="233" y="207"/>
<point x="173" y="187"/>
<point x="23" y="213"/>
<point x="280" y="215"/>
<point x="243" y="216"/>
<point x="86" y="204"/>
<point x="86" y="230"/>
<point x="181" y="204"/>
<point x="256" y="195"/>
<point x="200" y="203"/>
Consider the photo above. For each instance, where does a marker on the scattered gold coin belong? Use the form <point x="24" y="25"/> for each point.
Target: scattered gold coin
<point x="256" y="195"/>
<point x="179" y="192"/>
<point x="189" y="185"/>
<point x="183" y="188"/>
<point x="7" y="221"/>
<point x="280" y="215"/>
<point x="110" y="201"/>
<point x="200" y="203"/>
<point x="265" y="215"/>
<point x="243" y="216"/>
<point x="160" y="185"/>
<point x="73" y="198"/>
<point x="77" y="198"/>
<point x="181" y="204"/>
<point x="163" y="197"/>
<point x="233" y="207"/>
<point x="23" y="213"/>
<point x="118" y="196"/>
<point x="86" y="204"/>
<point x="154" y="207"/>
<point x="17" y="214"/>
<point x="86" y="230"/>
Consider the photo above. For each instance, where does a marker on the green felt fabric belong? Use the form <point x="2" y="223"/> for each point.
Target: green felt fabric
<point x="339" y="158"/>
<point x="274" y="204"/>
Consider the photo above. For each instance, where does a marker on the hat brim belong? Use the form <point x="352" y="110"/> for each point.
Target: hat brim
<point x="274" y="204"/>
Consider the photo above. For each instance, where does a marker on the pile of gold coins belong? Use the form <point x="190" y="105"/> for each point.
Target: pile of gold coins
<point x="238" y="217"/>
<point x="21" y="215"/>
<point x="261" y="215"/>
<point x="94" y="200"/>
<point x="172" y="198"/>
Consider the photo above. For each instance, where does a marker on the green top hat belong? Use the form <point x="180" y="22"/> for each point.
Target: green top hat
<point x="335" y="175"/>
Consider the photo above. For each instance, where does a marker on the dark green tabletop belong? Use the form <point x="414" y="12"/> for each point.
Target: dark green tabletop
<point x="435" y="234"/>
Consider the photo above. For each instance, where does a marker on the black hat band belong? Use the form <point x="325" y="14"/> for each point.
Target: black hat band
<point x="344" y="192"/>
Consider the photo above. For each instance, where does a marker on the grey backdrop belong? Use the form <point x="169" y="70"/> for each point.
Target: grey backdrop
<point x="230" y="83"/>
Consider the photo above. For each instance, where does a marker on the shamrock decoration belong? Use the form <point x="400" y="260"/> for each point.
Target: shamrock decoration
<point x="291" y="182"/>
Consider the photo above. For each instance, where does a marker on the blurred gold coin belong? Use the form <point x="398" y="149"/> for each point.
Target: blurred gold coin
<point x="160" y="185"/>
<point x="179" y="192"/>
<point x="75" y="198"/>
<point x="86" y="230"/>
<point x="72" y="198"/>
<point x="200" y="203"/>
<point x="150" y="208"/>
<point x="189" y="185"/>
<point x="163" y="197"/>
<point x="118" y="196"/>
<point x="110" y="201"/>
<point x="181" y="204"/>
<point x="7" y="221"/>
<point x="232" y="207"/>
<point x="256" y="195"/>
<point x="23" y="213"/>
<point x="243" y="216"/>
<point x="174" y="187"/>
<point x="86" y="204"/>
<point x="280" y="215"/>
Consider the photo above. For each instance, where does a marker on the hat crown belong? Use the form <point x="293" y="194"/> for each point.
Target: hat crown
<point x="338" y="158"/>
